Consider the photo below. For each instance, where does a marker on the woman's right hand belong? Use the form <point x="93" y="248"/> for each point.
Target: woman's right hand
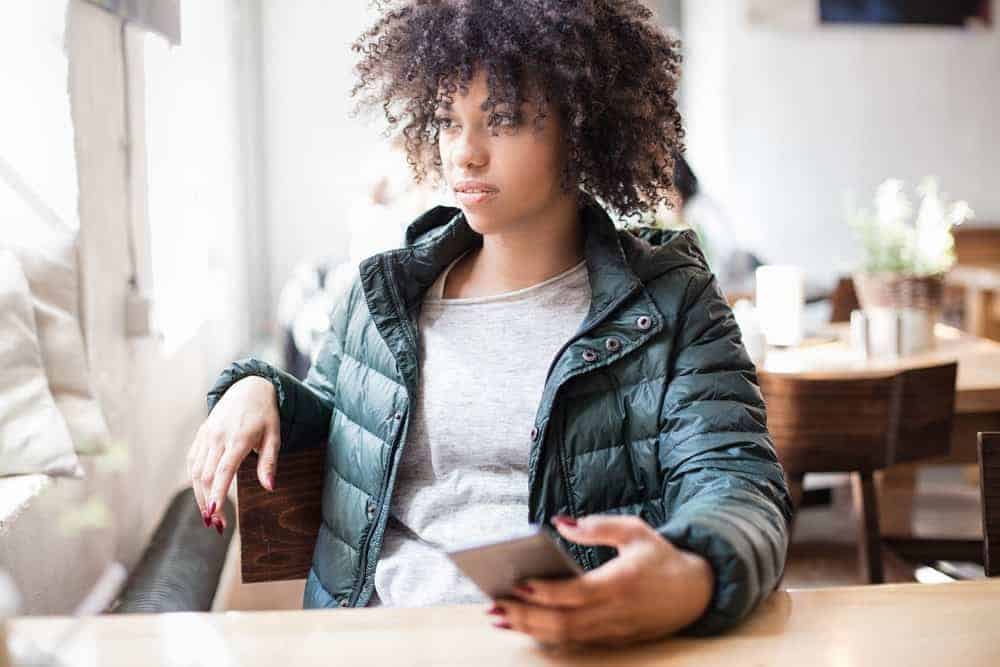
<point x="245" y="418"/>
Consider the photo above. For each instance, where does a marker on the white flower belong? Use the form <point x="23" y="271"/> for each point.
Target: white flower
<point x="893" y="243"/>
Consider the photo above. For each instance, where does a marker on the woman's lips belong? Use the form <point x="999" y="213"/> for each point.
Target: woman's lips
<point x="473" y="198"/>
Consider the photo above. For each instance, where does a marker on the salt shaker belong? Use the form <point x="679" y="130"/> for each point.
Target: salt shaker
<point x="860" y="338"/>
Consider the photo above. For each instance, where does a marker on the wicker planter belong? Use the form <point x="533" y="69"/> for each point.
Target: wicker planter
<point x="901" y="310"/>
<point x="899" y="290"/>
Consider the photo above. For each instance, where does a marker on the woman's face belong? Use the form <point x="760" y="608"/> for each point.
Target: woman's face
<point x="515" y="168"/>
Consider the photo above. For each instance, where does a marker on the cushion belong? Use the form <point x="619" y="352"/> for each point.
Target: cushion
<point x="46" y="250"/>
<point x="34" y="437"/>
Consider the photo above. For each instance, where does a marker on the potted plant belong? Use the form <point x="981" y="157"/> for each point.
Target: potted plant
<point x="900" y="281"/>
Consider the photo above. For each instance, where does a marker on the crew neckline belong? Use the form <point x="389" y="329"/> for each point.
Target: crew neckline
<point x="437" y="294"/>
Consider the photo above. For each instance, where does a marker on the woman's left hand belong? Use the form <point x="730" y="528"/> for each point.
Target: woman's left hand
<point x="650" y="590"/>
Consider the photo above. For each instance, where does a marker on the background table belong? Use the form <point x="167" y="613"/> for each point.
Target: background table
<point x="977" y="408"/>
<point x="906" y="624"/>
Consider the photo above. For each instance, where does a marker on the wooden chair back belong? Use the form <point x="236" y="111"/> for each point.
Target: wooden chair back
<point x="843" y="300"/>
<point x="989" y="485"/>
<point x="977" y="245"/>
<point x="860" y="424"/>
<point x="278" y="529"/>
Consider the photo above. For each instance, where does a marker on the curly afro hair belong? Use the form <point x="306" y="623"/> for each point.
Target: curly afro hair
<point x="604" y="66"/>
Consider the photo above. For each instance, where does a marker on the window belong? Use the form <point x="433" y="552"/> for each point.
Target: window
<point x="194" y="195"/>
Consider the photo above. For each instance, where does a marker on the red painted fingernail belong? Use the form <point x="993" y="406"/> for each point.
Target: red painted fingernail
<point x="503" y="625"/>
<point x="499" y="611"/>
<point x="218" y="527"/>
<point x="564" y="520"/>
<point x="211" y="508"/>
<point x="204" y="517"/>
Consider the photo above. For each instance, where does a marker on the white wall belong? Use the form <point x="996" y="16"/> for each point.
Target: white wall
<point x="312" y="149"/>
<point x="782" y="122"/>
<point x="153" y="403"/>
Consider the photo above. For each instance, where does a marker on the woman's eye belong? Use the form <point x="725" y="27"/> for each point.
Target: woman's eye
<point x="502" y="123"/>
<point x="442" y="122"/>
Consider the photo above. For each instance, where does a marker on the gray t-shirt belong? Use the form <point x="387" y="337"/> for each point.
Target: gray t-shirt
<point x="463" y="474"/>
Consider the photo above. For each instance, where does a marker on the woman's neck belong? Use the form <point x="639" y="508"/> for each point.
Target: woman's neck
<point x="523" y="255"/>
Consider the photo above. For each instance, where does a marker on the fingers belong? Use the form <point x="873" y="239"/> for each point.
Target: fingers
<point x="268" y="461"/>
<point x="603" y="529"/>
<point x="209" y="472"/>
<point x="229" y="462"/>
<point x="614" y="580"/>
<point x="195" y="461"/>
<point x="587" y="589"/>
<point x="555" y="626"/>
<point x="242" y="420"/>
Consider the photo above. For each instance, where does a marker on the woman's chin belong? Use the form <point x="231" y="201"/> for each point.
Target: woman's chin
<point x="482" y="223"/>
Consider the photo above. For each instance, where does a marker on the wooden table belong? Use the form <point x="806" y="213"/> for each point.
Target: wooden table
<point x="977" y="404"/>
<point x="951" y="624"/>
<point x="977" y="386"/>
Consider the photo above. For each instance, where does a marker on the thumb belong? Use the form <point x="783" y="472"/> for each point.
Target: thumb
<point x="602" y="529"/>
<point x="267" y="464"/>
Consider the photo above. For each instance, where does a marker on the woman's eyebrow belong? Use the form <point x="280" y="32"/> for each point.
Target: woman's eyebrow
<point x="453" y="109"/>
<point x="501" y="109"/>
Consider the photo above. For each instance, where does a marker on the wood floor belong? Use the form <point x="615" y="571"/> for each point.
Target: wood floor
<point x="824" y="552"/>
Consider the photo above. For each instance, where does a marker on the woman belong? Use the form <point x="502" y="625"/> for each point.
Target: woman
<point x="520" y="359"/>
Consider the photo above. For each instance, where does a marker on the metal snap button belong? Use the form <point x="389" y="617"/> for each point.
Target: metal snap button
<point x="398" y="416"/>
<point x="644" y="322"/>
<point x="613" y="344"/>
<point x="343" y="602"/>
<point x="589" y="355"/>
<point x="371" y="509"/>
<point x="534" y="433"/>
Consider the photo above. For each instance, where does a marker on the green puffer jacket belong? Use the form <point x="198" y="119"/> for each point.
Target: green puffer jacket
<point x="651" y="409"/>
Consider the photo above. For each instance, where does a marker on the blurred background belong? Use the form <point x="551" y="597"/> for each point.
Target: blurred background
<point x="181" y="185"/>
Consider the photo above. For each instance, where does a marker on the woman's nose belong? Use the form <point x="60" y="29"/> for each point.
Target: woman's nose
<point x="468" y="151"/>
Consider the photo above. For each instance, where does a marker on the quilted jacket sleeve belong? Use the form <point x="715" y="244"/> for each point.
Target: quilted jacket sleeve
<point x="724" y="491"/>
<point x="305" y="407"/>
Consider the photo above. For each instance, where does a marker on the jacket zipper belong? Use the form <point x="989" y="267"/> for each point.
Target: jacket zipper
<point x="583" y="332"/>
<point x="363" y="554"/>
<point x="585" y="551"/>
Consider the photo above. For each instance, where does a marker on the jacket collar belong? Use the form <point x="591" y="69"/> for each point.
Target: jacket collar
<point x="440" y="235"/>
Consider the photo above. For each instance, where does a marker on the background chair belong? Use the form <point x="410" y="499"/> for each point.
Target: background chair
<point x="989" y="489"/>
<point x="859" y="425"/>
<point x="843" y="299"/>
<point x="989" y="485"/>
